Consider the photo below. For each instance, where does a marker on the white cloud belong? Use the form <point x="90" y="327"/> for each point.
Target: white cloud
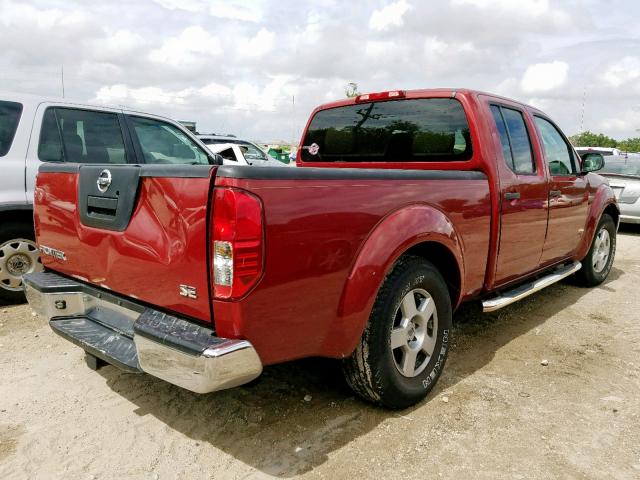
<point x="543" y="77"/>
<point x="625" y="121"/>
<point x="623" y="72"/>
<point x="389" y="16"/>
<point x="528" y="7"/>
<point x="257" y="46"/>
<point x="232" y="10"/>
<point x="271" y="97"/>
<point x="121" y="94"/>
<point x="187" y="50"/>
<point x="236" y="11"/>
<point x="117" y="45"/>
<point x="233" y="65"/>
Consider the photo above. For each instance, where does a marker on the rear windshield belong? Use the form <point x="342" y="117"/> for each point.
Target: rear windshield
<point x="9" y="117"/>
<point x="420" y="130"/>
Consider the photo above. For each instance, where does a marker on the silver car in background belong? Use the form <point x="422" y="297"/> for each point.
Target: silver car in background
<point x="623" y="173"/>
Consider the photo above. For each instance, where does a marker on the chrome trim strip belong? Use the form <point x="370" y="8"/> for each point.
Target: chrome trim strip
<point x="522" y="291"/>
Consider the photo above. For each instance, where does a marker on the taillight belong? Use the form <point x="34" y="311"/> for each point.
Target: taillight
<point x="237" y="242"/>
<point x="367" y="97"/>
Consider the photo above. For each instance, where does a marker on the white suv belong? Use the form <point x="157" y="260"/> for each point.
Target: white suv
<point x="35" y="129"/>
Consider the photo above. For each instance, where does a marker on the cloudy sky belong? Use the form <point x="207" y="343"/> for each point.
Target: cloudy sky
<point x="257" y="68"/>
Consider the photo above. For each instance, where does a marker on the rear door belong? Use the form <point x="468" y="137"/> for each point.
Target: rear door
<point x="75" y="135"/>
<point x="568" y="195"/>
<point x="523" y="193"/>
<point x="138" y="229"/>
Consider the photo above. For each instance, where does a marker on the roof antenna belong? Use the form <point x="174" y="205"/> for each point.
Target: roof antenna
<point x="584" y="101"/>
<point x="62" y="78"/>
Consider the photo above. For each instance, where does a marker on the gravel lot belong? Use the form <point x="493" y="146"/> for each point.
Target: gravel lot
<point x="497" y="412"/>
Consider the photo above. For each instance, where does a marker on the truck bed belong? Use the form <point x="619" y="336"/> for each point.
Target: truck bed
<point x="317" y="221"/>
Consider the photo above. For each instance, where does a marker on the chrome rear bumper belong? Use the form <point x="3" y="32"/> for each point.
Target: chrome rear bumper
<point x="136" y="338"/>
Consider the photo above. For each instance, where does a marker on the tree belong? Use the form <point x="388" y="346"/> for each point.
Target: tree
<point x="351" y="90"/>
<point x="630" y="145"/>
<point x="589" y="139"/>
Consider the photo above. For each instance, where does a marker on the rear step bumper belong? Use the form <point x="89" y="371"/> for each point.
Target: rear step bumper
<point x="526" y="289"/>
<point x="139" y="339"/>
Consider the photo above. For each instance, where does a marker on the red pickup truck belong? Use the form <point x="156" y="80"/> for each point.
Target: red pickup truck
<point x="402" y="206"/>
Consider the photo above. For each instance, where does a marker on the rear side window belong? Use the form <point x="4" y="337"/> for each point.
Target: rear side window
<point x="228" y="154"/>
<point x="420" y="130"/>
<point x="9" y="117"/>
<point x="81" y="136"/>
<point x="162" y="142"/>
<point x="558" y="153"/>
<point x="514" y="138"/>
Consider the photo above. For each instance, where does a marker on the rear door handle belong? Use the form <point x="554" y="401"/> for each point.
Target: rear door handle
<point x="511" y="195"/>
<point x="555" y="193"/>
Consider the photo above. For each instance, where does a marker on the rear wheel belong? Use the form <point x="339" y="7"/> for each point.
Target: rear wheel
<point x="18" y="255"/>
<point x="404" y="346"/>
<point x="597" y="264"/>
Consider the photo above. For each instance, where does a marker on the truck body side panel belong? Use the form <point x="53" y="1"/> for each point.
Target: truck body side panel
<point x="315" y="229"/>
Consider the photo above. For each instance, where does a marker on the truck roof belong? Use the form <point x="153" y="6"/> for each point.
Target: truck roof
<point x="425" y="92"/>
<point x="34" y="100"/>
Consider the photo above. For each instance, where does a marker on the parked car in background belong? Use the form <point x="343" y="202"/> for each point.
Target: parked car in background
<point x="240" y="154"/>
<point x="34" y="129"/>
<point x="362" y="253"/>
<point x="604" y="151"/>
<point x="252" y="151"/>
<point x="623" y="172"/>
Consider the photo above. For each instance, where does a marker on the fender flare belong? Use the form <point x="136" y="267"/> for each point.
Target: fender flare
<point x="393" y="236"/>
<point x="603" y="199"/>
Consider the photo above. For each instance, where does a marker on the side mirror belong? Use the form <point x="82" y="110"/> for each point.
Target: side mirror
<point x="592" y="162"/>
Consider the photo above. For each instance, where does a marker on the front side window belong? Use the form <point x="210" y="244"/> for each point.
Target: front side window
<point x="81" y="136"/>
<point x="516" y="146"/>
<point x="162" y="142"/>
<point x="9" y="117"/>
<point x="415" y="130"/>
<point x="558" y="153"/>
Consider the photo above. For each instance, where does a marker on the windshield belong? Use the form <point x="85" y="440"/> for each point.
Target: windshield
<point x="9" y="116"/>
<point x="630" y="166"/>
<point x="420" y="130"/>
<point x="251" y="152"/>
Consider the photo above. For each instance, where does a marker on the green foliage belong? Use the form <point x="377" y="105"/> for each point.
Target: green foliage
<point x="589" y="139"/>
<point x="630" y="145"/>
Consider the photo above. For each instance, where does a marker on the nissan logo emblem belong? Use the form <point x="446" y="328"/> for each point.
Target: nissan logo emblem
<point x="104" y="180"/>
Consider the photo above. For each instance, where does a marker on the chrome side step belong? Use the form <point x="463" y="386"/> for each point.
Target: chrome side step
<point x="526" y="289"/>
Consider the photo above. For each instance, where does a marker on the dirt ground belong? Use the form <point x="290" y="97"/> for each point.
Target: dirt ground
<point x="496" y="413"/>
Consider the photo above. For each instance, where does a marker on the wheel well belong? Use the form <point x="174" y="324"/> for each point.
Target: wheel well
<point x="613" y="212"/>
<point x="444" y="261"/>
<point x="20" y="216"/>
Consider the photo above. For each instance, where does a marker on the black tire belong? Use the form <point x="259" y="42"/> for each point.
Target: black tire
<point x="589" y="275"/>
<point x="11" y="232"/>
<point x="373" y="370"/>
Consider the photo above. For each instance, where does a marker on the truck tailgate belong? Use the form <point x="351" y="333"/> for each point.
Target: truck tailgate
<point x="143" y="236"/>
